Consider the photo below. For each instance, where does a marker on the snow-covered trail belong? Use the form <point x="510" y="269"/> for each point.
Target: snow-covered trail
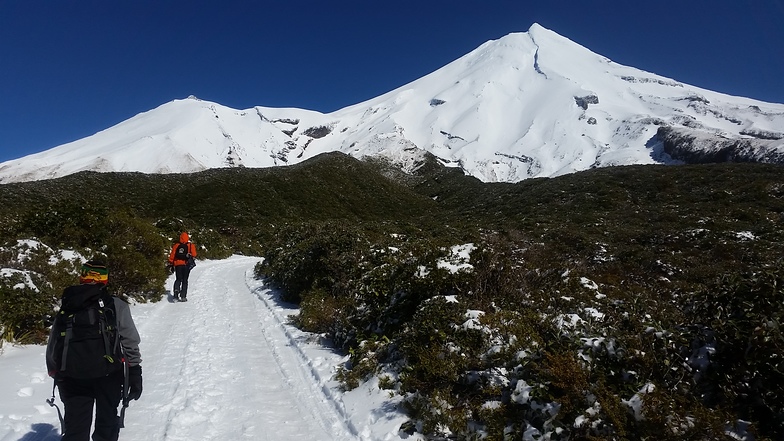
<point x="214" y="368"/>
<point x="226" y="365"/>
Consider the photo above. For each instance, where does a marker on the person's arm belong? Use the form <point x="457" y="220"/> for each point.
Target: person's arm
<point x="129" y="339"/>
<point x="171" y="254"/>
<point x="193" y="249"/>
<point x="129" y="335"/>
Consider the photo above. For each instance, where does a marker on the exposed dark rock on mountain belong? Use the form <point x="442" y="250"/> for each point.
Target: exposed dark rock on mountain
<point x="699" y="147"/>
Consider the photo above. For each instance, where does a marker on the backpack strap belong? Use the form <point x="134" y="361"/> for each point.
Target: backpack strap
<point x="103" y="327"/>
<point x="67" y="334"/>
<point x="116" y="348"/>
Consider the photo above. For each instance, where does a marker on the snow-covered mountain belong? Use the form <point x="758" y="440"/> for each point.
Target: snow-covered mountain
<point x="531" y="104"/>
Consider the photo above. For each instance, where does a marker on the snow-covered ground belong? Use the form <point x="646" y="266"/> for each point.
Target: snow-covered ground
<point x="226" y="365"/>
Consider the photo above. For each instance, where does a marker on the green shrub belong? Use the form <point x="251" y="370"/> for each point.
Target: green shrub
<point x="365" y="361"/>
<point x="738" y="320"/>
<point x="321" y="312"/>
<point x="25" y="310"/>
<point x="33" y="275"/>
<point x="308" y="256"/>
<point x="435" y="357"/>
<point x="133" y="252"/>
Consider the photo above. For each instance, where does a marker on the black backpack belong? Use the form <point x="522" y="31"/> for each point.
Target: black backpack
<point x="182" y="252"/>
<point x="88" y="342"/>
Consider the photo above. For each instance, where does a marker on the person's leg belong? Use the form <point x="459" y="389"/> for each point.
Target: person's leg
<point x="108" y="394"/>
<point x="78" y="401"/>
<point x="178" y="280"/>
<point x="184" y="287"/>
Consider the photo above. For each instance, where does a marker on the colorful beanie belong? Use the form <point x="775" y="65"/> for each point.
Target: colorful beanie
<point x="94" y="272"/>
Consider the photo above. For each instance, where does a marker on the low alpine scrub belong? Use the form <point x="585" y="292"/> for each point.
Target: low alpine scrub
<point x="639" y="302"/>
<point x="517" y="334"/>
<point x="32" y="278"/>
<point x="357" y="282"/>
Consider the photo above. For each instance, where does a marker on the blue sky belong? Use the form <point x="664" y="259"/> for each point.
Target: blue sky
<point x="69" y="69"/>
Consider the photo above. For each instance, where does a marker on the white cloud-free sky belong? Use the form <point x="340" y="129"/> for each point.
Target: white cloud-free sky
<point x="71" y="69"/>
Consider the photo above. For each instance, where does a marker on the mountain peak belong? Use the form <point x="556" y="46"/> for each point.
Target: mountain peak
<point x="538" y="31"/>
<point x="531" y="104"/>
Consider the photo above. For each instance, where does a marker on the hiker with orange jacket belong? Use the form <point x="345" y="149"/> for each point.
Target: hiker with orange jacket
<point x="182" y="258"/>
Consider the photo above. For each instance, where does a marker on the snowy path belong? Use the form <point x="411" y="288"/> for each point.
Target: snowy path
<point x="213" y="375"/>
<point x="224" y="365"/>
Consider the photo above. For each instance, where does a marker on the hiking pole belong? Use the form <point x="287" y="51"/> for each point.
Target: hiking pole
<point x="51" y="403"/>
<point x="122" y="413"/>
<point x="125" y="400"/>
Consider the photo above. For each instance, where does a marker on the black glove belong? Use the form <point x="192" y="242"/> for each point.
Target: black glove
<point x="169" y="267"/>
<point x="135" y="382"/>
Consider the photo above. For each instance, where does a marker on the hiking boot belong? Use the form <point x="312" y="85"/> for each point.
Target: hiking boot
<point x="183" y="299"/>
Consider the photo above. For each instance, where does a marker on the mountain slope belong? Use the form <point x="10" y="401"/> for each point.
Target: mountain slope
<point x="330" y="186"/>
<point x="531" y="104"/>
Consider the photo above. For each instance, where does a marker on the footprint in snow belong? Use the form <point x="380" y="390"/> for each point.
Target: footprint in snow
<point x="25" y="392"/>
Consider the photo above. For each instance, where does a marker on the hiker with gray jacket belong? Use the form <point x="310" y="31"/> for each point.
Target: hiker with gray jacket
<point x="93" y="356"/>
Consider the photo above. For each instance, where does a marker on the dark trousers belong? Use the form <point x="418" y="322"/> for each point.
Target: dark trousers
<point x="78" y="397"/>
<point x="181" y="281"/>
